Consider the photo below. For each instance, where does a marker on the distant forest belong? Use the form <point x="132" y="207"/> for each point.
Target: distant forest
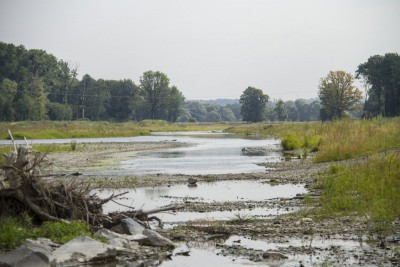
<point x="35" y="85"/>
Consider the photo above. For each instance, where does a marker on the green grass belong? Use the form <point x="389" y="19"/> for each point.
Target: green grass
<point x="334" y="141"/>
<point x="87" y="129"/>
<point x="370" y="189"/>
<point x="14" y="231"/>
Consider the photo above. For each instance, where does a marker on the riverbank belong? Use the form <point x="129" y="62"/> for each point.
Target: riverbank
<point x="300" y="237"/>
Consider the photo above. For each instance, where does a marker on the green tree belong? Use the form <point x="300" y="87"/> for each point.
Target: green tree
<point x="123" y="94"/>
<point x="8" y="89"/>
<point x="197" y="110"/>
<point x="60" y="112"/>
<point x="281" y="110"/>
<point x="227" y="114"/>
<point x="292" y="110"/>
<point x="174" y="103"/>
<point x="253" y="102"/>
<point x="337" y="94"/>
<point x="161" y="101"/>
<point x="213" y="116"/>
<point x="38" y="95"/>
<point x="154" y="86"/>
<point x="381" y="75"/>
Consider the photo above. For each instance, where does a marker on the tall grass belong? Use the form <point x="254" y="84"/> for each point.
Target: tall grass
<point x="334" y="141"/>
<point x="370" y="189"/>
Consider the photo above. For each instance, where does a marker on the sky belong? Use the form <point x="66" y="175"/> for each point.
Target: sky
<point x="209" y="48"/>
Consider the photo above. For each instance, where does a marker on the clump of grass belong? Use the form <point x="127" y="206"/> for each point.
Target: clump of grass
<point x="62" y="232"/>
<point x="370" y="189"/>
<point x="14" y="231"/>
<point x="240" y="218"/>
<point x="291" y="142"/>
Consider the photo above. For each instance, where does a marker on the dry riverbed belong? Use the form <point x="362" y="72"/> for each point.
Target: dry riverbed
<point x="295" y="239"/>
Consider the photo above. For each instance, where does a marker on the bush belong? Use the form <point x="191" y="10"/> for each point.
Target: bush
<point x="291" y="142"/>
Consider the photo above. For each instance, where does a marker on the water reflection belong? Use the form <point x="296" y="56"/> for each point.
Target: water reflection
<point x="222" y="191"/>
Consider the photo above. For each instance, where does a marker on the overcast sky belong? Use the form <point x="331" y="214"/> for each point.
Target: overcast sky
<point x="209" y="48"/>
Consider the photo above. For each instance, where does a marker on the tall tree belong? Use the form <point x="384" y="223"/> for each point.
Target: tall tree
<point x="337" y="94"/>
<point x="8" y="89"/>
<point x="174" y="102"/>
<point x="122" y="99"/>
<point x="281" y="110"/>
<point x="253" y="102"/>
<point x="162" y="101"/>
<point x="38" y="95"/>
<point x="381" y="75"/>
<point x="154" y="86"/>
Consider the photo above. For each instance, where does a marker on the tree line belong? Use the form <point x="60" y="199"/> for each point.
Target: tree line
<point x="35" y="85"/>
<point x="338" y="96"/>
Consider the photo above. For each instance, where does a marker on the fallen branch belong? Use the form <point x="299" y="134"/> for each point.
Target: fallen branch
<point x="22" y="187"/>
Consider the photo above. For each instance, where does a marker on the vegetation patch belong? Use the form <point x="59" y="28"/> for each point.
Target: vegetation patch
<point x="370" y="189"/>
<point x="334" y="141"/>
<point x="88" y="129"/>
<point x="14" y="231"/>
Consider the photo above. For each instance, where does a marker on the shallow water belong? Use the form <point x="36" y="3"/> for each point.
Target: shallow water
<point x="208" y="153"/>
<point x="310" y="250"/>
<point x="221" y="191"/>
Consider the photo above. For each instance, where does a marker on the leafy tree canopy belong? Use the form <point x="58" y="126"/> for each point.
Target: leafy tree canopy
<point x="337" y="94"/>
<point x="253" y="102"/>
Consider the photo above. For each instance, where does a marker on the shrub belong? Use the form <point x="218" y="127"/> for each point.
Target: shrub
<point x="291" y="142"/>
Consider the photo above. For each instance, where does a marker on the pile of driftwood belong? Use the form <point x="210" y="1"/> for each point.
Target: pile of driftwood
<point x="25" y="187"/>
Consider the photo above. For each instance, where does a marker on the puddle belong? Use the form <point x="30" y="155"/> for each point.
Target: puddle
<point x="180" y="218"/>
<point x="220" y="191"/>
<point x="307" y="241"/>
<point x="313" y="250"/>
<point x="201" y="258"/>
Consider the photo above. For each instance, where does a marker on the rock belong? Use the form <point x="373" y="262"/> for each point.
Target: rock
<point x="192" y="181"/>
<point x="274" y="255"/>
<point x="182" y="251"/>
<point x="131" y="227"/>
<point x="120" y="240"/>
<point x="83" y="250"/>
<point x="155" y="239"/>
<point x="31" y="253"/>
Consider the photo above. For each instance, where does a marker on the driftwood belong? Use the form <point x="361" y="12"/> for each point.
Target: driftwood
<point x="22" y="189"/>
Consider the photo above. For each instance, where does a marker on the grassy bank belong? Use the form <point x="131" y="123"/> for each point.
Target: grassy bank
<point x="370" y="189"/>
<point x="334" y="141"/>
<point x="87" y="129"/>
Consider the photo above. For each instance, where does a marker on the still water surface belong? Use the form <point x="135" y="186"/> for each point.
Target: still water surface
<point x="207" y="153"/>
